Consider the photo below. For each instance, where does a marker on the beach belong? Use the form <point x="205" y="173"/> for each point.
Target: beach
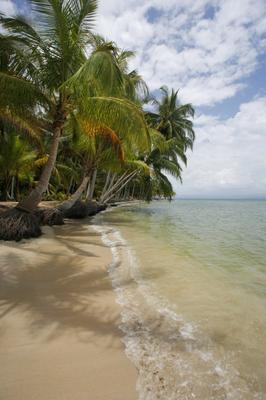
<point x="191" y="277"/>
<point x="144" y="301"/>
<point x="59" y="334"/>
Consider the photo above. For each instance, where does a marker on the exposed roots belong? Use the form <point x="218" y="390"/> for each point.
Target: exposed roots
<point x="3" y="209"/>
<point x="81" y="209"/>
<point x="101" y="207"/>
<point x="77" y="211"/>
<point x="93" y="208"/>
<point x="16" y="224"/>
<point x="50" y="216"/>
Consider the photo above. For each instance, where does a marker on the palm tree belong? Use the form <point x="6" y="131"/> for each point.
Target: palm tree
<point x="162" y="161"/>
<point x="173" y="134"/>
<point x="136" y="88"/>
<point x="91" y="152"/>
<point x="98" y="155"/>
<point x="50" y="67"/>
<point x="173" y="119"/>
<point x="53" y="52"/>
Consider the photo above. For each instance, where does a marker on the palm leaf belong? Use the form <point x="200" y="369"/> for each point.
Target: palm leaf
<point x="99" y="75"/>
<point x="120" y="115"/>
<point x="20" y="93"/>
<point x="94" y="129"/>
<point x="29" y="127"/>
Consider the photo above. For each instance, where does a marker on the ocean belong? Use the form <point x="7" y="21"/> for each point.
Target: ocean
<point x="190" y="276"/>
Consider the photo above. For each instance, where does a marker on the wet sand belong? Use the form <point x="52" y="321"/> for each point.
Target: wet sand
<point x="59" y="335"/>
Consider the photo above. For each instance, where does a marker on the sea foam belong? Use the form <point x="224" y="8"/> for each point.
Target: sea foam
<point x="174" y="360"/>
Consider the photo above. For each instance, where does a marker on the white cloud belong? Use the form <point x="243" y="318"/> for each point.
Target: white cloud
<point x="206" y="48"/>
<point x="229" y="155"/>
<point x="7" y="7"/>
<point x="207" y="58"/>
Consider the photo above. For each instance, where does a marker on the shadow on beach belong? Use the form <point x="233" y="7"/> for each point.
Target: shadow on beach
<point x="58" y="288"/>
<point x="58" y="285"/>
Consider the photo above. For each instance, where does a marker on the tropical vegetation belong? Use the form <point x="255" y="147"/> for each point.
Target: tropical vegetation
<point x="75" y="121"/>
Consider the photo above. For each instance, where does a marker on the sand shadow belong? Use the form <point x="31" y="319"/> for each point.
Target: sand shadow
<point x="58" y="296"/>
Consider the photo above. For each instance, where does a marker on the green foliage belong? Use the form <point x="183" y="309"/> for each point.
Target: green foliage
<point x="171" y="130"/>
<point x="54" y="71"/>
<point x="17" y="164"/>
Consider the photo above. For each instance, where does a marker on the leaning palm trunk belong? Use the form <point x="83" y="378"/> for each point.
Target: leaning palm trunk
<point x="91" y="187"/>
<point x="108" y="177"/>
<point x="13" y="182"/>
<point x="121" y="186"/>
<point x="114" y="186"/>
<point x="108" y="184"/>
<point x="30" y="203"/>
<point x="73" y="208"/>
<point x="66" y="205"/>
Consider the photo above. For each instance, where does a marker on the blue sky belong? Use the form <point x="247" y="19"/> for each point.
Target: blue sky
<point x="215" y="53"/>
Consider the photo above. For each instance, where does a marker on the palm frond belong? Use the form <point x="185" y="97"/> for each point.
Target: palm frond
<point x="99" y="75"/>
<point x="26" y="125"/>
<point x="20" y="93"/>
<point x="99" y="129"/>
<point x="120" y="115"/>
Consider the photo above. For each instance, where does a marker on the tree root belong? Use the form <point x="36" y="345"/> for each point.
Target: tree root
<point x="50" y="216"/>
<point x="16" y="224"/>
<point x="83" y="209"/>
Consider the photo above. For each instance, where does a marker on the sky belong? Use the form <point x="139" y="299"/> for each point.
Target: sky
<point x="214" y="52"/>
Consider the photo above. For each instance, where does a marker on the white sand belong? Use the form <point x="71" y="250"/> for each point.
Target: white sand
<point x="59" y="336"/>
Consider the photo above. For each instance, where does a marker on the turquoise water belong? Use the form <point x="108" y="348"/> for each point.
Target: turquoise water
<point x="191" y="278"/>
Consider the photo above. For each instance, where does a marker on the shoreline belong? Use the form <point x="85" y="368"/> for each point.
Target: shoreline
<point x="176" y="355"/>
<point x="59" y="319"/>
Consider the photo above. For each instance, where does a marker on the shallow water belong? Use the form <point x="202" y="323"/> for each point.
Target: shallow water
<point x="191" y="278"/>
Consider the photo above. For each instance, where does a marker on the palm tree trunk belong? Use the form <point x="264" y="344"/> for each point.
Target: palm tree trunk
<point x="88" y="189"/>
<point x="121" y="186"/>
<point x="70" y="185"/>
<point x="34" y="198"/>
<point x="21" y="221"/>
<point x="108" y="176"/>
<point x="92" y="186"/>
<point x="112" y="186"/>
<point x="89" y="185"/>
<point x="12" y="187"/>
<point x="66" y="205"/>
<point x="108" y="183"/>
<point x="30" y="203"/>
